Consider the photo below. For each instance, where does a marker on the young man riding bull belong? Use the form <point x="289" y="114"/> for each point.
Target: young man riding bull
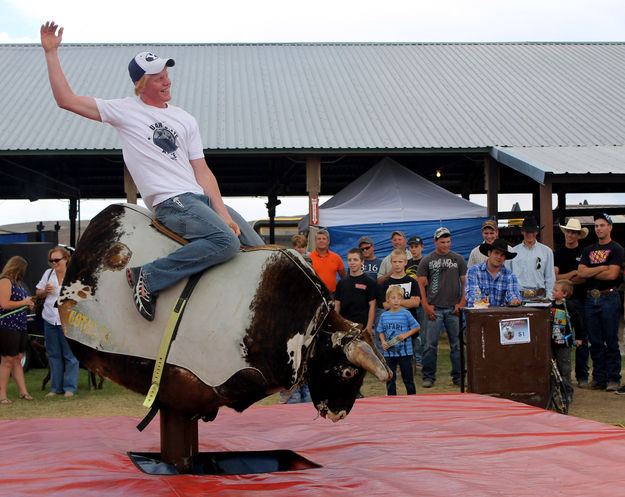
<point x="163" y="152"/>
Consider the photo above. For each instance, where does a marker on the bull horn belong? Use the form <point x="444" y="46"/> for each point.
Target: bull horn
<point x="360" y="354"/>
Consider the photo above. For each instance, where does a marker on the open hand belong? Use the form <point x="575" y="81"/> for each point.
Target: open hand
<point x="50" y="40"/>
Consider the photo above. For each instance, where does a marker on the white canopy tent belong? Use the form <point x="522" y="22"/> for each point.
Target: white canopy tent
<point x="390" y="197"/>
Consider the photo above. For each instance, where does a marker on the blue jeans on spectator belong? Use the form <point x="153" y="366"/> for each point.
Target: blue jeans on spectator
<point x="581" y="351"/>
<point x="602" y="320"/>
<point x="433" y="329"/>
<point x="405" y="368"/>
<point x="211" y="240"/>
<point x="300" y="394"/>
<point x="63" y="364"/>
<point x="417" y="339"/>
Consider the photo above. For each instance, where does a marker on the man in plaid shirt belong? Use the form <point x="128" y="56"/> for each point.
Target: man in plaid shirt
<point x="491" y="282"/>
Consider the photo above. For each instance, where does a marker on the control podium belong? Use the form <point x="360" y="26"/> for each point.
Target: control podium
<point x="509" y="353"/>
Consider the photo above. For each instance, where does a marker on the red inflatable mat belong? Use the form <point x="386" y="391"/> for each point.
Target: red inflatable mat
<point x="426" y="445"/>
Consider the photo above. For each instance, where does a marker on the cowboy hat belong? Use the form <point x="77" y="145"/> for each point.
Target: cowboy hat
<point x="530" y="225"/>
<point x="574" y="225"/>
<point x="499" y="244"/>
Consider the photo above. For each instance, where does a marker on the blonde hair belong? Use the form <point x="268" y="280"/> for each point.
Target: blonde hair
<point x="399" y="253"/>
<point x="15" y="269"/>
<point x="140" y="85"/>
<point x="566" y="286"/>
<point x="394" y="289"/>
<point x="64" y="252"/>
<point x="299" y="241"/>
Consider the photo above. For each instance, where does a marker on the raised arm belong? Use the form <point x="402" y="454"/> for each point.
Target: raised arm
<point x="63" y="94"/>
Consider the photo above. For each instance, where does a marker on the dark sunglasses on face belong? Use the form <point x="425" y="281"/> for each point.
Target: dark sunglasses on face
<point x="55" y="260"/>
<point x="365" y="248"/>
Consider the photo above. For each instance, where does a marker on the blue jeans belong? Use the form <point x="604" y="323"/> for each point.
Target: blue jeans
<point x="581" y="351"/>
<point x="405" y="368"/>
<point x="417" y="340"/>
<point x="211" y="240"/>
<point x="444" y="318"/>
<point x="299" y="395"/>
<point x="602" y="320"/>
<point x="63" y="364"/>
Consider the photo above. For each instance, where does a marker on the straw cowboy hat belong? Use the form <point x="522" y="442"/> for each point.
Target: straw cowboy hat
<point x="575" y="225"/>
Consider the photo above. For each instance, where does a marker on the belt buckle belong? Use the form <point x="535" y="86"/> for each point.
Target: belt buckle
<point x="595" y="294"/>
<point x="529" y="293"/>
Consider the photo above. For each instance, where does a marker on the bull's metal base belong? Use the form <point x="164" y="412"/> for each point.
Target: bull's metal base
<point x="179" y="454"/>
<point x="225" y="463"/>
<point x="179" y="440"/>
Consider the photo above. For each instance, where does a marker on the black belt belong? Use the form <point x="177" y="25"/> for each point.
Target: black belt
<point x="596" y="293"/>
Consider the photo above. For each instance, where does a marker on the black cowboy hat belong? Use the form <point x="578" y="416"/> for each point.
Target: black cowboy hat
<point x="499" y="244"/>
<point x="530" y="225"/>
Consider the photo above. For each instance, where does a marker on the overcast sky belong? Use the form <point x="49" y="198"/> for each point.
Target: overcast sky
<point x="249" y="21"/>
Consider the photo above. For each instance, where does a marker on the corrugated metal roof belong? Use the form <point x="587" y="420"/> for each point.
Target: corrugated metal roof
<point x="338" y="96"/>
<point x="535" y="162"/>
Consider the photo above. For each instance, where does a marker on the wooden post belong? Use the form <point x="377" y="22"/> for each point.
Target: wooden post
<point x="129" y="187"/>
<point x="546" y="212"/>
<point x="313" y="187"/>
<point x="491" y="182"/>
<point x="179" y="439"/>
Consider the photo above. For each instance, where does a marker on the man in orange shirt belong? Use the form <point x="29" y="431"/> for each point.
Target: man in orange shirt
<point x="325" y="262"/>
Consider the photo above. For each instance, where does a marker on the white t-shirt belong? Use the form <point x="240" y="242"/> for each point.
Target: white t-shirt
<point x="157" y="145"/>
<point x="50" y="313"/>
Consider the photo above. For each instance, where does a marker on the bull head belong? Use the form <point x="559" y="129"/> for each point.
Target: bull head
<point x="337" y="366"/>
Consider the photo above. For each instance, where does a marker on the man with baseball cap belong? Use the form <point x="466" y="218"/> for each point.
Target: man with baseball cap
<point x="371" y="263"/>
<point x="398" y="241"/>
<point x="533" y="265"/>
<point x="163" y="152"/>
<point x="441" y="278"/>
<point x="490" y="231"/>
<point x="566" y="260"/>
<point x="601" y="265"/>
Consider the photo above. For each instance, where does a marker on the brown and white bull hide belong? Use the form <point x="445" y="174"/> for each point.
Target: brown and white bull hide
<point x="247" y="330"/>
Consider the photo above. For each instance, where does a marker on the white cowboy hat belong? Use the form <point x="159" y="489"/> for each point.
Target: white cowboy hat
<point x="575" y="225"/>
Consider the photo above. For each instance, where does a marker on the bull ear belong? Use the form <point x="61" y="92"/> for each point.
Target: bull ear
<point x="360" y="354"/>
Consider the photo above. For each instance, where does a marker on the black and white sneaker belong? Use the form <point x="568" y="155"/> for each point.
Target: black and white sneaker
<point x="145" y="302"/>
<point x="620" y="391"/>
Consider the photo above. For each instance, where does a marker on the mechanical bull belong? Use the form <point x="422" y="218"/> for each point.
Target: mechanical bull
<point x="254" y="325"/>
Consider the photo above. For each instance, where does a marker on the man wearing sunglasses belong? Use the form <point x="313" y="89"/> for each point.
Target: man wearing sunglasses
<point x="162" y="149"/>
<point x="533" y="265"/>
<point x="601" y="265"/>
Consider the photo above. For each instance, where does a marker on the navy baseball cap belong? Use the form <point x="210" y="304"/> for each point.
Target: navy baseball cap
<point x="603" y="215"/>
<point x="147" y="63"/>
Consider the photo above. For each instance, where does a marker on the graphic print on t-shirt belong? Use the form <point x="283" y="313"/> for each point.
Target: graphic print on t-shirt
<point x="599" y="256"/>
<point x="165" y="139"/>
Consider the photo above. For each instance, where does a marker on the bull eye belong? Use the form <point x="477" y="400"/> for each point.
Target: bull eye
<point x="292" y="353"/>
<point x="349" y="373"/>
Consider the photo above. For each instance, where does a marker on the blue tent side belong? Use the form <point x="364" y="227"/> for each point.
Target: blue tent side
<point x="465" y="235"/>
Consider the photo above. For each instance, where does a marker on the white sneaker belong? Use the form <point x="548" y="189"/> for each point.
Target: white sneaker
<point x="50" y="394"/>
<point x="68" y="394"/>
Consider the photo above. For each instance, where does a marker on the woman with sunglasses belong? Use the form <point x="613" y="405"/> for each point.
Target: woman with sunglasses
<point x="63" y="364"/>
<point x="14" y="301"/>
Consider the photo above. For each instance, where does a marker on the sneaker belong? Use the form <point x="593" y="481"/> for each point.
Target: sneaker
<point x="582" y="383"/>
<point x="68" y="394"/>
<point x="50" y="394"/>
<point x="428" y="383"/>
<point x="620" y="391"/>
<point x="145" y="301"/>
<point x="613" y="386"/>
<point x="456" y="381"/>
